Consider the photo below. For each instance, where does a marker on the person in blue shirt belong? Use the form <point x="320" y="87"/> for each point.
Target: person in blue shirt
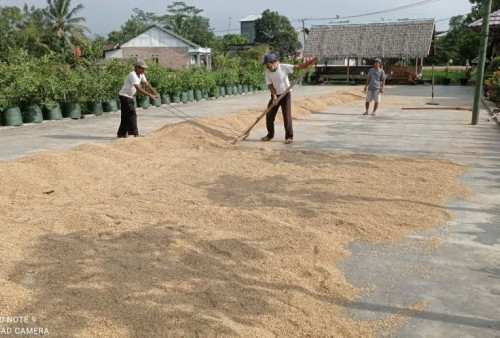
<point x="374" y="87"/>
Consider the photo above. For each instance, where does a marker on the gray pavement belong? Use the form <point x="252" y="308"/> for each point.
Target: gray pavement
<point x="460" y="279"/>
<point x="68" y="133"/>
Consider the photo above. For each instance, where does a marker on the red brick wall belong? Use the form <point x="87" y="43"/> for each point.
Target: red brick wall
<point x="170" y="57"/>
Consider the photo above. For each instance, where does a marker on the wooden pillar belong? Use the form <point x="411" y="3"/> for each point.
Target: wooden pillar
<point x="348" y="70"/>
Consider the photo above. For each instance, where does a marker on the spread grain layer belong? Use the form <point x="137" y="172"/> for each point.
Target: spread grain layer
<point x="183" y="233"/>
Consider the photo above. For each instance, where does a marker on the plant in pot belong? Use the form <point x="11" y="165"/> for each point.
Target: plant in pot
<point x="212" y="90"/>
<point x="155" y="73"/>
<point x="185" y="84"/>
<point x="50" y="89"/>
<point x="198" y="80"/>
<point x="229" y="78"/>
<point x="51" y="110"/>
<point x="466" y="75"/>
<point x="93" y="91"/>
<point x="172" y="83"/>
<point x="25" y="92"/>
<point x="116" y="72"/>
<point x="10" y="100"/>
<point x="252" y="74"/>
<point x="70" y="83"/>
<point x="110" y="91"/>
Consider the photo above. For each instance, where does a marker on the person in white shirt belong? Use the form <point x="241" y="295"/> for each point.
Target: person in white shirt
<point x="132" y="85"/>
<point x="278" y="82"/>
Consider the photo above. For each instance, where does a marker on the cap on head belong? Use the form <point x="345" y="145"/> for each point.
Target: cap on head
<point x="378" y="60"/>
<point x="269" y="58"/>
<point x="141" y="64"/>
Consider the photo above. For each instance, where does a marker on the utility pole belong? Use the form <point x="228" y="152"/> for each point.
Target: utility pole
<point x="482" y="61"/>
<point x="229" y="27"/>
<point x="304" y="36"/>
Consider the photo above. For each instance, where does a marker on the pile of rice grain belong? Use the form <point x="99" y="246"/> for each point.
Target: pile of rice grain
<point x="182" y="233"/>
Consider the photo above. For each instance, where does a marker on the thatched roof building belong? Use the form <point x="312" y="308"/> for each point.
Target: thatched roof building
<point x="408" y="39"/>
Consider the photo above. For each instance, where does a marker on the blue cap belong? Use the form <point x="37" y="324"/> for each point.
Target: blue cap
<point x="377" y="60"/>
<point x="269" y="58"/>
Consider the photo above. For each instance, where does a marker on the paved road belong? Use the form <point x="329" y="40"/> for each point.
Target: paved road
<point x="462" y="285"/>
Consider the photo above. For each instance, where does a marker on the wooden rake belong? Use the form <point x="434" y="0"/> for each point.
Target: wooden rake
<point x="245" y="134"/>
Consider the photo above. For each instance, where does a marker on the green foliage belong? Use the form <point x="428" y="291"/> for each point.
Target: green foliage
<point x="69" y="82"/>
<point x="493" y="84"/>
<point x="276" y="31"/>
<point x="226" y="77"/>
<point x="459" y="43"/>
<point x="154" y="74"/>
<point x="494" y="65"/>
<point x="93" y="85"/>
<point x="198" y="77"/>
<point x="252" y="72"/>
<point x="220" y="44"/>
<point x="137" y="24"/>
<point x="173" y="83"/>
<point x="186" y="21"/>
<point x="440" y="73"/>
<point x="65" y="25"/>
<point x="479" y="6"/>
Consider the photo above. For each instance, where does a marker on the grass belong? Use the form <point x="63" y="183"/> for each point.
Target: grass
<point x="440" y="73"/>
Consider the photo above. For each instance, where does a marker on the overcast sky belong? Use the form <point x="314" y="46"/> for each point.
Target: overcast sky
<point x="104" y="16"/>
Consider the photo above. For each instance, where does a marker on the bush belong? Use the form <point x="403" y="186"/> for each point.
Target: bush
<point x="493" y="87"/>
<point x="116" y="70"/>
<point x="494" y="65"/>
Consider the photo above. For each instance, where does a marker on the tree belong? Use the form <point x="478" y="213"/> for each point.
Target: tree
<point x="277" y="31"/>
<point x="134" y="26"/>
<point x="460" y="42"/>
<point x="478" y="6"/>
<point x="219" y="44"/>
<point x="10" y="17"/>
<point x="25" y="29"/>
<point x="65" y="24"/>
<point x="185" y="21"/>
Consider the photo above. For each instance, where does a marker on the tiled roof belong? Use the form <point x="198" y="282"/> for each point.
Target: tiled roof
<point x="494" y="20"/>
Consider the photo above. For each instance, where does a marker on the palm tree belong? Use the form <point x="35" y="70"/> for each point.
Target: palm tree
<point x="64" y="23"/>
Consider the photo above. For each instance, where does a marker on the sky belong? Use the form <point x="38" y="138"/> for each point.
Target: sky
<point x="104" y="16"/>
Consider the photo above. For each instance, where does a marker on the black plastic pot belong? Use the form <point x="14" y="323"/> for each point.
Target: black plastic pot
<point x="52" y="112"/>
<point x="32" y="113"/>
<point x="12" y="116"/>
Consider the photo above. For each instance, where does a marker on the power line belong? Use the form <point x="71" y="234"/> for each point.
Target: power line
<point x="411" y="5"/>
<point x="415" y="4"/>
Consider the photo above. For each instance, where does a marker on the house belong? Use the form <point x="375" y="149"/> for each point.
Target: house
<point x="494" y="29"/>
<point x="247" y="26"/>
<point x="390" y="40"/>
<point x="163" y="46"/>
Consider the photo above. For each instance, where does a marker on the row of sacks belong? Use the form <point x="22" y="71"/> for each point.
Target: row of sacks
<point x="34" y="113"/>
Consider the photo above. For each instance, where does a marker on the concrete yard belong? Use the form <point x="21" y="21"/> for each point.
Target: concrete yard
<point x="459" y="278"/>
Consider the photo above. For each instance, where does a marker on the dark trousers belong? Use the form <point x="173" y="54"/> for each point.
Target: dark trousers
<point x="128" y="122"/>
<point x="286" y="108"/>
